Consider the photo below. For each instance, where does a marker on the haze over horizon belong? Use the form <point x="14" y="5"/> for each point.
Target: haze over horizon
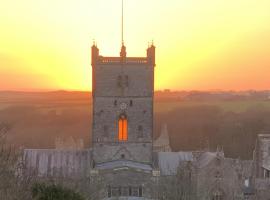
<point x="224" y="45"/>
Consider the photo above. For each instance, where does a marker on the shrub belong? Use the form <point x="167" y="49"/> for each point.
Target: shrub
<point x="41" y="191"/>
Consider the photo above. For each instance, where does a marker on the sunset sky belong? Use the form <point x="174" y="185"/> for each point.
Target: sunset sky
<point x="201" y="44"/>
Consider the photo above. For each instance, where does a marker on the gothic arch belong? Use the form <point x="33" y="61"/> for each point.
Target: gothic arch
<point x="122" y="128"/>
<point x="217" y="193"/>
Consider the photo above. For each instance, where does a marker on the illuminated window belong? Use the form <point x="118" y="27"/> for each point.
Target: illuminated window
<point x="122" y="128"/>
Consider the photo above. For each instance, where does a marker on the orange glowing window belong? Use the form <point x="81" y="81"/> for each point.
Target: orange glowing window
<point x="122" y="128"/>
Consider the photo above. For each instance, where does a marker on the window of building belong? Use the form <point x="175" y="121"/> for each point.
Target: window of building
<point x="105" y="131"/>
<point x="239" y="176"/>
<point x="218" y="174"/>
<point x="140" y="131"/>
<point x="140" y="191"/>
<point x="120" y="191"/>
<point x="130" y="103"/>
<point x="100" y="112"/>
<point x="130" y="190"/>
<point x="115" y="103"/>
<point x="49" y="169"/>
<point x="125" y="191"/>
<point x="115" y="191"/>
<point x="266" y="173"/>
<point x="109" y="192"/>
<point x="217" y="195"/>
<point x="135" y="191"/>
<point x="126" y="81"/>
<point x="246" y="183"/>
<point x="122" y="128"/>
<point x="218" y="161"/>
<point x="37" y="161"/>
<point x="119" y="81"/>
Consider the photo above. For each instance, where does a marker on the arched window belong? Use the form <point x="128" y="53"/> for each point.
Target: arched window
<point x="140" y="191"/>
<point x="105" y="131"/>
<point x="122" y="128"/>
<point x="109" y="191"/>
<point x="217" y="195"/>
<point x="126" y="81"/>
<point x="119" y="81"/>
<point x="140" y="131"/>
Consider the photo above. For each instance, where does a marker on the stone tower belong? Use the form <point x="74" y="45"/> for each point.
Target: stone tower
<point x="262" y="156"/>
<point x="123" y="89"/>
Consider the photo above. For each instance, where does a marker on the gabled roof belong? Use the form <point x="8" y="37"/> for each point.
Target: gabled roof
<point x="118" y="164"/>
<point x="54" y="162"/>
<point x="205" y="158"/>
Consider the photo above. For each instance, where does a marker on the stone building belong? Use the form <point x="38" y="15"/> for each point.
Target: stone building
<point x="123" y="90"/>
<point x="124" y="155"/>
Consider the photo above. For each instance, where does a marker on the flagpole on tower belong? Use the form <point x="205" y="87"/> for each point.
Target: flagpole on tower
<point x="123" y="52"/>
<point x="122" y="22"/>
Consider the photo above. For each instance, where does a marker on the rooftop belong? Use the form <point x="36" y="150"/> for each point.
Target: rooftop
<point x="119" y="164"/>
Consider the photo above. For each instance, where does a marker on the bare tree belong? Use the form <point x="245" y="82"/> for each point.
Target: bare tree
<point x="89" y="187"/>
<point x="13" y="185"/>
<point x="176" y="187"/>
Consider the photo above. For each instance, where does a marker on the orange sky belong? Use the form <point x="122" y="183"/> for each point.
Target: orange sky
<point x="203" y="45"/>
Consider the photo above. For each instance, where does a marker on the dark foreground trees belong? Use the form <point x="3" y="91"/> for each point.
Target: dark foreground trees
<point x="13" y="185"/>
<point x="17" y="185"/>
<point x="42" y="191"/>
<point x="178" y="186"/>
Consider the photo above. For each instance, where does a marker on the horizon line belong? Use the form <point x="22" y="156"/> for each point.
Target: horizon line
<point x="158" y="90"/>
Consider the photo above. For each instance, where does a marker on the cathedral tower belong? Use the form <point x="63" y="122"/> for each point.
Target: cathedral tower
<point x="123" y="89"/>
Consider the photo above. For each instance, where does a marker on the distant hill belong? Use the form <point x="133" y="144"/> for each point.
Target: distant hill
<point x="195" y="119"/>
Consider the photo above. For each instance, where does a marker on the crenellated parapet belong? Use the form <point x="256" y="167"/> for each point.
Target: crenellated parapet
<point x="123" y="59"/>
<point x="119" y="60"/>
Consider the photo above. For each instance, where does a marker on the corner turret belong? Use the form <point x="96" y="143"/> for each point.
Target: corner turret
<point x="151" y="55"/>
<point x="95" y="54"/>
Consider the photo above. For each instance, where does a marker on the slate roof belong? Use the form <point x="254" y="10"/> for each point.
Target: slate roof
<point x="53" y="162"/>
<point x="169" y="161"/>
<point x="205" y="158"/>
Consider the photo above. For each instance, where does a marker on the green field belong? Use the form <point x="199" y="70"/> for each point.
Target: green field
<point x="166" y="106"/>
<point x="234" y="106"/>
<point x="82" y="101"/>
